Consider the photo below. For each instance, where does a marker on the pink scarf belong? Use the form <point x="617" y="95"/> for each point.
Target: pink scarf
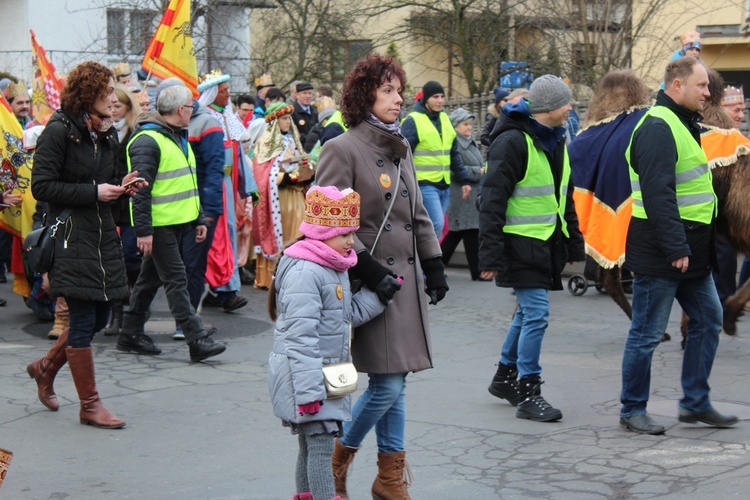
<point x="320" y="253"/>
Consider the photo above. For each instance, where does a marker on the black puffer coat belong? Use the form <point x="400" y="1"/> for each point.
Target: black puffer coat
<point x="88" y="255"/>
<point x="520" y="261"/>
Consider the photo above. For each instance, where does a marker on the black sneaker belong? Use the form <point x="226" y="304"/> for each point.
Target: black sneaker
<point x="233" y="303"/>
<point x="204" y="348"/>
<point x="211" y="300"/>
<point x="138" y="343"/>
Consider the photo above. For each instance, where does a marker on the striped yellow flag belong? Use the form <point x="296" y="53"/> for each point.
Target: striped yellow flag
<point x="170" y="53"/>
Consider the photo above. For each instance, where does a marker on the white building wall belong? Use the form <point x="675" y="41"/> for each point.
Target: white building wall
<point x="73" y="31"/>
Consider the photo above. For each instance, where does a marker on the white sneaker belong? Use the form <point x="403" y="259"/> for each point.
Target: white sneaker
<point x="178" y="335"/>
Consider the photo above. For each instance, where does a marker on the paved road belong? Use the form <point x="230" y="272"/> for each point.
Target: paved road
<point x="207" y="431"/>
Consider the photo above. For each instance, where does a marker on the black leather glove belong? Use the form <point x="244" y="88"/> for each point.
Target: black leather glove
<point x="435" y="283"/>
<point x="387" y="288"/>
<point x="369" y="270"/>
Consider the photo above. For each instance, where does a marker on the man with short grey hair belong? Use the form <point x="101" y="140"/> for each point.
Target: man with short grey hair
<point x="160" y="151"/>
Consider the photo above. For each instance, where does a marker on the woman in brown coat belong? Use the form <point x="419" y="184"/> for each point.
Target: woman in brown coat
<point x="374" y="159"/>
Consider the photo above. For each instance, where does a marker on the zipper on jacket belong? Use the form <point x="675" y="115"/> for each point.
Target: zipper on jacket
<point x="99" y="246"/>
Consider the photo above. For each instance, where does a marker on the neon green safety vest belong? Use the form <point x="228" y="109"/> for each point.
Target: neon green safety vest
<point x="432" y="156"/>
<point x="533" y="208"/>
<point x="174" y="194"/>
<point x="696" y="200"/>
<point x="337" y="117"/>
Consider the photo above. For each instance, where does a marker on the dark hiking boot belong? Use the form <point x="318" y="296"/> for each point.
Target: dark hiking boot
<point x="504" y="384"/>
<point x="204" y="348"/>
<point x="533" y="406"/>
<point x="138" y="343"/>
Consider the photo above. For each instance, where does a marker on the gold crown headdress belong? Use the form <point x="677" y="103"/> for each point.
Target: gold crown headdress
<point x="263" y="80"/>
<point x="13" y="90"/>
<point x="211" y="79"/>
<point x="323" y="210"/>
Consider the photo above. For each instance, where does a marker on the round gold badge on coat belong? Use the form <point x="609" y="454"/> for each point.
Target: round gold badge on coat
<point x="302" y="123"/>
<point x="385" y="180"/>
<point x="339" y="291"/>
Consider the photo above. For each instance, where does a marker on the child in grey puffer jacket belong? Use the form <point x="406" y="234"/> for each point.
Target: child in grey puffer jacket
<point x="313" y="307"/>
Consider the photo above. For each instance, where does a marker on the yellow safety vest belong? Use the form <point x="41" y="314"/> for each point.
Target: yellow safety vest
<point x="174" y="194"/>
<point x="338" y="118"/>
<point x="432" y="156"/>
<point x="534" y="208"/>
<point x="696" y="200"/>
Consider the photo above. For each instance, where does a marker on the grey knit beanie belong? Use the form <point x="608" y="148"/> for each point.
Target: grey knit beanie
<point x="547" y="93"/>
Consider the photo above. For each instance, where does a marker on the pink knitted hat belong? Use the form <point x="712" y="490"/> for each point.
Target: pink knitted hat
<point x="330" y="212"/>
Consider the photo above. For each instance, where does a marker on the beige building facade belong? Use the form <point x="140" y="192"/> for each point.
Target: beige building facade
<point x="653" y="39"/>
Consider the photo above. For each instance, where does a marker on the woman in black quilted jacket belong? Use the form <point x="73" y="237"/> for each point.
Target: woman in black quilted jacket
<point x="75" y="171"/>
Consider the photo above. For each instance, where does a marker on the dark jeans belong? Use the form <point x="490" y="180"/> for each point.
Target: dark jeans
<point x="471" y="245"/>
<point x="726" y="275"/>
<point x="163" y="267"/>
<point x="133" y="259"/>
<point x="652" y="304"/>
<point x="195" y="258"/>
<point x="5" y="242"/>
<point x="86" y="318"/>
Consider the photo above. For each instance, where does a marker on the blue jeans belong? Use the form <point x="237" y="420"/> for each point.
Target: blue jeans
<point x="523" y="343"/>
<point x="86" y="318"/>
<point x="383" y="405"/>
<point x="652" y="303"/>
<point x="436" y="202"/>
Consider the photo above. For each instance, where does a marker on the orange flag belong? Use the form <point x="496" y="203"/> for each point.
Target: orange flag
<point x="53" y="82"/>
<point x="170" y="53"/>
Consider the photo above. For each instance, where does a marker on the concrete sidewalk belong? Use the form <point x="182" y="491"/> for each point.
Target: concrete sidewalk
<point x="206" y="430"/>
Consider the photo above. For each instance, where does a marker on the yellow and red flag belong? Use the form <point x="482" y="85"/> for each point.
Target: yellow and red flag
<point x="170" y="53"/>
<point x="53" y="82"/>
<point x="15" y="176"/>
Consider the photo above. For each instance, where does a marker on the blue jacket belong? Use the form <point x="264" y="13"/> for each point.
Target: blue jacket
<point x="409" y="130"/>
<point x="206" y="136"/>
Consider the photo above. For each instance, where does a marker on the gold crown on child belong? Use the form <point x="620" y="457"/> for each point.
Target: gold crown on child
<point x="321" y="210"/>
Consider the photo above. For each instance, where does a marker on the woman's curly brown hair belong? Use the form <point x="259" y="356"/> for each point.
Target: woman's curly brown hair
<point x="86" y="83"/>
<point x="358" y="91"/>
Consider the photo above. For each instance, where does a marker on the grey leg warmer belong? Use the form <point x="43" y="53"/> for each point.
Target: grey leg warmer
<point x="300" y="474"/>
<point x="319" y="472"/>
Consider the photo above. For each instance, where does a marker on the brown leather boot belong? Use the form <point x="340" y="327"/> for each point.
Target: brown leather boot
<point x="44" y="370"/>
<point x="93" y="412"/>
<point x="342" y="458"/>
<point x="394" y="476"/>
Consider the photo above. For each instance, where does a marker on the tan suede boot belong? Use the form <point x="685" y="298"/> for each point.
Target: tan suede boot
<point x="61" y="323"/>
<point x="394" y="477"/>
<point x="92" y="412"/>
<point x="342" y="458"/>
<point x="44" y="370"/>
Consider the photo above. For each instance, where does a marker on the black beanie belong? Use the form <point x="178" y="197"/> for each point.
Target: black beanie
<point x="430" y="89"/>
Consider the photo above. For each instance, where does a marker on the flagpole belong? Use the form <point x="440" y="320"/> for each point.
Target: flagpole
<point x="148" y="77"/>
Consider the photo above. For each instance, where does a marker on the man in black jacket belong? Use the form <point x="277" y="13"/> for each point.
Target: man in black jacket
<point x="528" y="229"/>
<point x="305" y="114"/>
<point x="670" y="249"/>
<point x="160" y="152"/>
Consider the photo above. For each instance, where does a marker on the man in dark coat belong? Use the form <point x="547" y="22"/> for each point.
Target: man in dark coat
<point x="670" y="249"/>
<point x="528" y="229"/>
<point x="305" y="114"/>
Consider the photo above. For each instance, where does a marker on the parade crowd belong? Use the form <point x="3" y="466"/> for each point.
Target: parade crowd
<point x="347" y="211"/>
